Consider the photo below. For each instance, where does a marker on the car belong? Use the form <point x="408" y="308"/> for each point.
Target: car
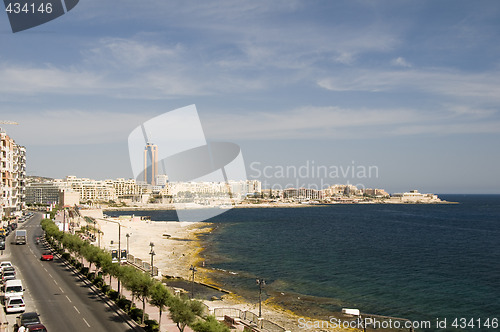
<point x="36" y="328"/>
<point x="47" y="256"/>
<point x="8" y="268"/>
<point x="13" y="288"/>
<point x="8" y="275"/>
<point x="27" y="319"/>
<point x="15" y="304"/>
<point x="4" y="264"/>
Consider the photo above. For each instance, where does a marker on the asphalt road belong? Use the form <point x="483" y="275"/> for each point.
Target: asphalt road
<point x="63" y="300"/>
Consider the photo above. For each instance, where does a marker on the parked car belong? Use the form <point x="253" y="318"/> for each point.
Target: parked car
<point x="4" y="264"/>
<point x="13" y="288"/>
<point x="15" y="304"/>
<point x="8" y="275"/>
<point x="8" y="268"/>
<point x="47" y="256"/>
<point x="27" y="319"/>
<point x="36" y="328"/>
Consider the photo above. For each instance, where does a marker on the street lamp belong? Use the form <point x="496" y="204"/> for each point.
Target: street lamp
<point x="192" y="268"/>
<point x="127" y="236"/>
<point x="261" y="283"/>
<point x="119" y="247"/>
<point x="152" y="253"/>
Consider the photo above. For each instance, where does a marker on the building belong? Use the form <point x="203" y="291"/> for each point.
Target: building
<point x="69" y="198"/>
<point x="302" y="194"/>
<point x="150" y="163"/>
<point x="414" y="197"/>
<point x="13" y="174"/>
<point x="91" y="190"/>
<point x="44" y="192"/>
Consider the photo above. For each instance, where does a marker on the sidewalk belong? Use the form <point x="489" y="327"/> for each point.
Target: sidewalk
<point x="166" y="323"/>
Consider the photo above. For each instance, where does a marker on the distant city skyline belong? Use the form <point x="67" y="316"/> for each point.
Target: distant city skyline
<point x="409" y="88"/>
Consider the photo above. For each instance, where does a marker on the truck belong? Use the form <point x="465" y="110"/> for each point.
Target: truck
<point x="20" y="236"/>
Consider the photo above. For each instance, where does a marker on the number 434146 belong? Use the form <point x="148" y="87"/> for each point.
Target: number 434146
<point x="17" y="8"/>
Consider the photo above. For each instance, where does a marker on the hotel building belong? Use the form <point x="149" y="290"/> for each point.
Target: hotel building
<point x="13" y="174"/>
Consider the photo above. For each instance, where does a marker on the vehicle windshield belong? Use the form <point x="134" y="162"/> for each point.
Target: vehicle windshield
<point x="30" y="320"/>
<point x="14" y="289"/>
<point x="16" y="301"/>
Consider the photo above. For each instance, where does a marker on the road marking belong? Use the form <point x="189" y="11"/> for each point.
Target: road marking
<point x="86" y="322"/>
<point x="45" y="269"/>
<point x="68" y="298"/>
<point x="50" y="275"/>
<point x="55" y="282"/>
<point x="61" y="290"/>
<point x="76" y="309"/>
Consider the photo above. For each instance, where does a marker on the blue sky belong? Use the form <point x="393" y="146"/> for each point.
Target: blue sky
<point x="411" y="87"/>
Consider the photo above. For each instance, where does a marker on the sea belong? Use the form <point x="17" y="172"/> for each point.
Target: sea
<point x="422" y="262"/>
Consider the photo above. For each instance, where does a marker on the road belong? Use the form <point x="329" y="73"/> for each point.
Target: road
<point x="63" y="300"/>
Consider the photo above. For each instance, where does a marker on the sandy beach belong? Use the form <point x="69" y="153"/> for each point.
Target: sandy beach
<point x="176" y="248"/>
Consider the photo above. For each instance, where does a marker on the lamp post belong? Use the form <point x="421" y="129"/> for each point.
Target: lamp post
<point x="192" y="268"/>
<point x="119" y="247"/>
<point x="260" y="282"/>
<point x="152" y="253"/>
<point x="127" y="236"/>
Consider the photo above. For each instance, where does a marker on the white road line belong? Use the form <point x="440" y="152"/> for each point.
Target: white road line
<point x="55" y="282"/>
<point x="68" y="298"/>
<point x="50" y="275"/>
<point x="76" y="309"/>
<point x="61" y="290"/>
<point x="86" y="322"/>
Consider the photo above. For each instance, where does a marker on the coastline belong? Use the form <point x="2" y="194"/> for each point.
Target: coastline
<point x="159" y="207"/>
<point x="174" y="254"/>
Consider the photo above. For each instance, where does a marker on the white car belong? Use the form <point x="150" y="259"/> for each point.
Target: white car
<point x="15" y="304"/>
<point x="4" y="264"/>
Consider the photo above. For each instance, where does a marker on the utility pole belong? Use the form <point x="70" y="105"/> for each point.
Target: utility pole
<point x="192" y="268"/>
<point x="260" y="282"/>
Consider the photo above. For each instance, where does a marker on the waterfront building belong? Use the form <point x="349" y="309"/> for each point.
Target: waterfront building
<point x="46" y="192"/>
<point x="375" y="192"/>
<point x="91" y="190"/>
<point x="303" y="194"/>
<point x="150" y="163"/>
<point x="414" y="197"/>
<point x="13" y="173"/>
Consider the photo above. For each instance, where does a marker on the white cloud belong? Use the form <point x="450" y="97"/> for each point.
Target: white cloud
<point x="436" y="81"/>
<point x="401" y="62"/>
<point x="340" y="123"/>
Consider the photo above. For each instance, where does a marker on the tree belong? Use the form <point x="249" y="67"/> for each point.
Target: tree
<point x="210" y="324"/>
<point x="184" y="311"/>
<point x="160" y="298"/>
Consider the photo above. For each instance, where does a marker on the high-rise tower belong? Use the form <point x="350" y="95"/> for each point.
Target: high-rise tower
<point x="150" y="163"/>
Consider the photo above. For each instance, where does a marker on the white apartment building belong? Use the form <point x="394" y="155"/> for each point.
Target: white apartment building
<point x="414" y="197"/>
<point x="91" y="190"/>
<point x="13" y="174"/>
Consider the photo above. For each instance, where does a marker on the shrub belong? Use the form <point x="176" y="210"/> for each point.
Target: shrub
<point x="66" y="256"/>
<point x="151" y="325"/>
<point x="91" y="276"/>
<point x="105" y="288"/>
<point x="125" y="304"/>
<point x="113" y="294"/>
<point x="84" y="270"/>
<point x="136" y="314"/>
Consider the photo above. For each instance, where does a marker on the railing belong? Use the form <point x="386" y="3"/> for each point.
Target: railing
<point x="249" y="318"/>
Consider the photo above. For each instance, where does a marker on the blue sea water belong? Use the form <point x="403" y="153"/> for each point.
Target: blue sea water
<point x="419" y="262"/>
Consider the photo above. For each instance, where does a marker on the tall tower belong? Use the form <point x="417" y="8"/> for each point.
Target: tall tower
<point x="150" y="163"/>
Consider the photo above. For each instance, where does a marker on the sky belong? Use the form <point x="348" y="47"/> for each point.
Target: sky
<point x="407" y="89"/>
